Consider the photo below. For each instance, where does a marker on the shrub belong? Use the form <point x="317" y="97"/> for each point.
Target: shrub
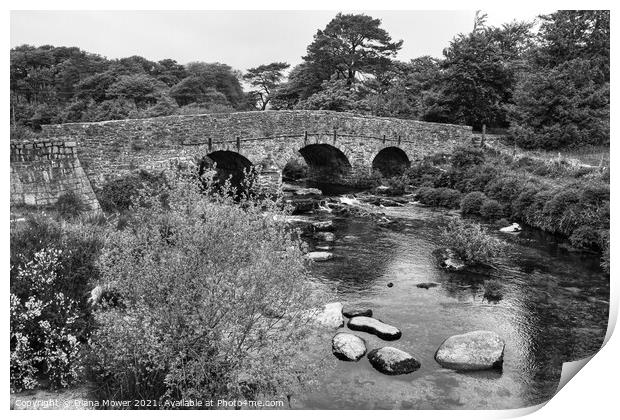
<point x="470" y="241"/>
<point x="70" y="205"/>
<point x="476" y="178"/>
<point x="213" y="297"/>
<point x="118" y="195"/>
<point x="439" y="197"/>
<point x="78" y="248"/>
<point x="505" y="189"/>
<point x="44" y="332"/>
<point x="585" y="237"/>
<point x="492" y="210"/>
<point x="422" y="174"/>
<point x="467" y="156"/>
<point x="472" y="202"/>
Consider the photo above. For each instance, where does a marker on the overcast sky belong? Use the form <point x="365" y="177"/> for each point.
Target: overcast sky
<point x="242" y="39"/>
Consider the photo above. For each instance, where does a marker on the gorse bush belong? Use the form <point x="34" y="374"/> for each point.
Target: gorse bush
<point x="44" y="332"/>
<point x="118" y="195"/>
<point x="467" y="156"/>
<point x="491" y="210"/>
<point x="443" y="197"/>
<point x="472" y="202"/>
<point x="214" y="295"/>
<point x="470" y="242"/>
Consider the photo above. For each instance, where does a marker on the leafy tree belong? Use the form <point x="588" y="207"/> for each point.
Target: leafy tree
<point x="562" y="99"/>
<point x="265" y="78"/>
<point x="350" y="46"/>
<point x="479" y="73"/>
<point x="141" y="88"/>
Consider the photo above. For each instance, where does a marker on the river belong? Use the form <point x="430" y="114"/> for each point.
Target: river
<point x="551" y="307"/>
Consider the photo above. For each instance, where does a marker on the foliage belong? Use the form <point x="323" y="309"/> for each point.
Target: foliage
<point x="70" y="205"/>
<point x="442" y="197"/>
<point x="472" y="202"/>
<point x="44" y="332"/>
<point x="265" y="78"/>
<point x="491" y="210"/>
<point x="118" y="195"/>
<point x="463" y="156"/>
<point x="471" y="242"/>
<point x="213" y="294"/>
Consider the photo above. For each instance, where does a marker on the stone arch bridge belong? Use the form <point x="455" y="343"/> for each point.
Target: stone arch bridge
<point x="334" y="145"/>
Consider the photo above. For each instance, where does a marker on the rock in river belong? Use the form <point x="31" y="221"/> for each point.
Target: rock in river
<point x="514" y="228"/>
<point x="392" y="361"/>
<point x="331" y="315"/>
<point x="374" y="326"/>
<point x="477" y="350"/>
<point x="348" y="347"/>
<point x="325" y="236"/>
<point x="351" y="312"/>
<point x="427" y="285"/>
<point x="323" y="226"/>
<point x="320" y="255"/>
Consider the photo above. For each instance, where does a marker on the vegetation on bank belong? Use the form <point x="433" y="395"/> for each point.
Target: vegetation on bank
<point x="191" y="297"/>
<point x="553" y="195"/>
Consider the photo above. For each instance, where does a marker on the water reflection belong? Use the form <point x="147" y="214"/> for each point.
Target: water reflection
<point x="550" y="306"/>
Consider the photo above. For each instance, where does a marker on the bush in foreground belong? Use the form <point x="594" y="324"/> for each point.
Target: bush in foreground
<point x="213" y="294"/>
<point x="472" y="202"/>
<point x="471" y="242"/>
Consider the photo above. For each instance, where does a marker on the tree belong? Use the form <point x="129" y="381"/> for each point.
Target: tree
<point x="351" y="46"/>
<point x="265" y="78"/>
<point x="562" y="99"/>
<point x="141" y="88"/>
<point x="478" y="74"/>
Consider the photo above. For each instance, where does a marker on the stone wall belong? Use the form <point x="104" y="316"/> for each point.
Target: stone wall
<point x="43" y="170"/>
<point x="112" y="148"/>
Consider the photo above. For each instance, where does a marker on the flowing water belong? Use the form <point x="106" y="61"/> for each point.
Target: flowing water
<point x="551" y="307"/>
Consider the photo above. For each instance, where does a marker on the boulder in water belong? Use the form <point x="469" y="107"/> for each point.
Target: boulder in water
<point x="320" y="255"/>
<point x="331" y="315"/>
<point x="476" y="350"/>
<point x="374" y="326"/>
<point x="351" y="312"/>
<point x="514" y="228"/>
<point x="325" y="236"/>
<point x="323" y="226"/>
<point x="392" y="361"/>
<point x="307" y="192"/>
<point x="348" y="347"/>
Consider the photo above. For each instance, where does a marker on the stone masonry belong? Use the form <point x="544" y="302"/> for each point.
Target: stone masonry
<point x="43" y="170"/>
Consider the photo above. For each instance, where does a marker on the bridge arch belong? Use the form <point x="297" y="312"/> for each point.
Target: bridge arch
<point x="326" y="163"/>
<point x="227" y="164"/>
<point x="391" y="161"/>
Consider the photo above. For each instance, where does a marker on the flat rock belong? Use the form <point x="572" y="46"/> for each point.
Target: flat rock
<point x="348" y="347"/>
<point x="324" y="247"/>
<point x="307" y="191"/>
<point x="331" y="315"/>
<point x="374" y="326"/>
<point x="476" y="350"/>
<point x="352" y="312"/>
<point x="392" y="361"/>
<point x="427" y="285"/>
<point x="325" y="236"/>
<point x="320" y="255"/>
<point x="323" y="226"/>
